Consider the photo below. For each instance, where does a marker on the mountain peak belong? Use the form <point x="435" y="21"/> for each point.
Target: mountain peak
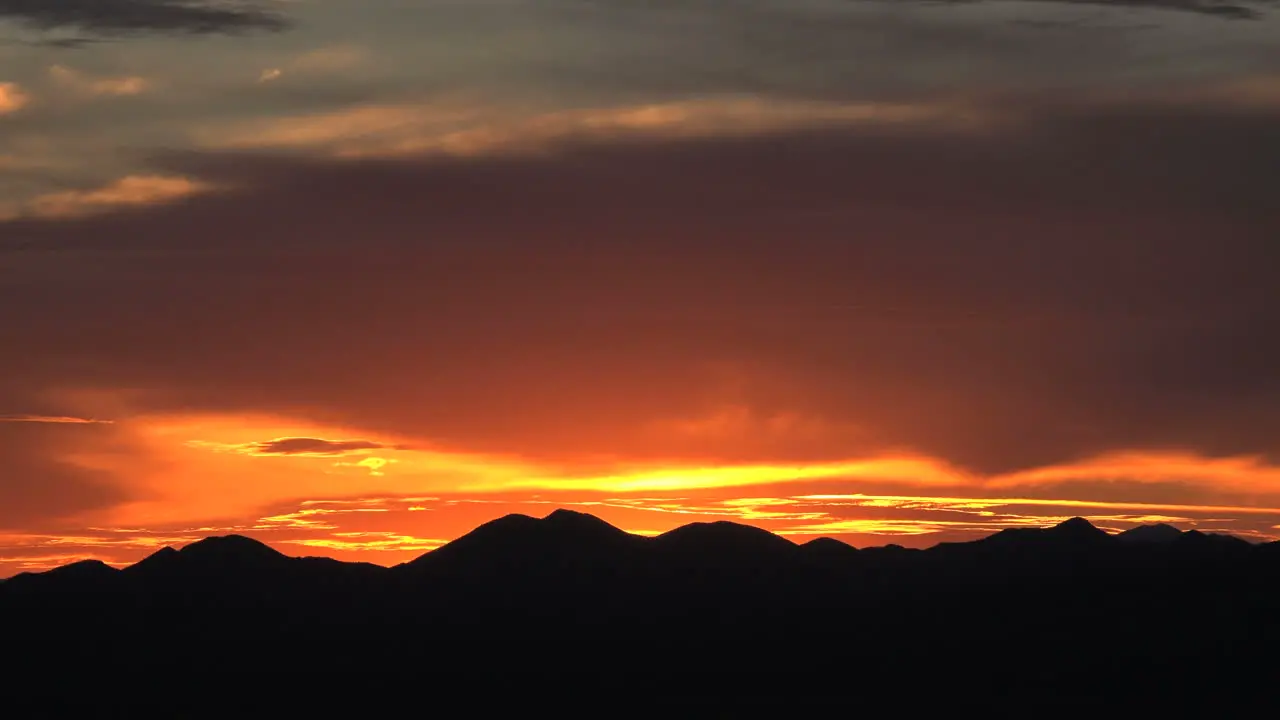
<point x="723" y="536"/>
<point x="1159" y="533"/>
<point x="581" y="523"/>
<point x="85" y="569"/>
<point x="1079" y="529"/>
<point x="1076" y="524"/>
<point x="829" y="546"/>
<point x="155" y="562"/>
<point x="562" y="533"/>
<point x="228" y="549"/>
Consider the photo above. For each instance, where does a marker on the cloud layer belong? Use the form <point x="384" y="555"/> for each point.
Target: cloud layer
<point x="1071" y="283"/>
<point x="310" y="446"/>
<point x="134" y="16"/>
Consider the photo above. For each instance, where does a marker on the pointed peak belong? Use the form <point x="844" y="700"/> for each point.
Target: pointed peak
<point x="1078" y="527"/>
<point x="1076" y="524"/>
<point x="1080" y="530"/>
<point x="231" y="548"/>
<point x="158" y="559"/>
<point x="572" y="519"/>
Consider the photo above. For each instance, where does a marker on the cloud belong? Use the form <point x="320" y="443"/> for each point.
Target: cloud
<point x="1215" y="8"/>
<point x="467" y="130"/>
<point x="1072" y="285"/>
<point x="78" y="83"/>
<point x="323" y="61"/>
<point x="337" y="58"/>
<point x="143" y="16"/>
<point x="48" y="478"/>
<point x="311" y="447"/>
<point x="53" y="419"/>
<point x="128" y="192"/>
<point x="12" y="98"/>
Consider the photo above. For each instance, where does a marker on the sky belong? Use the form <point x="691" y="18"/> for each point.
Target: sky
<point x="354" y="276"/>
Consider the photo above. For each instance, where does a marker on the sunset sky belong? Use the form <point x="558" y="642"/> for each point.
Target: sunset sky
<point x="355" y="276"/>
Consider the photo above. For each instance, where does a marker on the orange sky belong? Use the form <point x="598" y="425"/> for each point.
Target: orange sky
<point x="356" y="282"/>
<point x="315" y="490"/>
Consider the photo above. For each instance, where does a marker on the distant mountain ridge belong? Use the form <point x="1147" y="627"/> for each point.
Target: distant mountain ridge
<point x="570" y="531"/>
<point x="518" y="591"/>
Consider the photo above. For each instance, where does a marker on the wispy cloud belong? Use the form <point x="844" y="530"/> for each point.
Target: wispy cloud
<point x="131" y="191"/>
<point x="468" y="130"/>
<point x="79" y="83"/>
<point x="1217" y="8"/>
<point x="371" y="541"/>
<point x="112" y="17"/>
<point x="53" y="419"/>
<point x="297" y="446"/>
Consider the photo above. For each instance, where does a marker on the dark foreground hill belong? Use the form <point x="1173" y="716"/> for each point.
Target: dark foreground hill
<point x="571" y="594"/>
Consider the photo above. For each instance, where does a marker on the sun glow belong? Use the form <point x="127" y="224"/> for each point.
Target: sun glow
<point x="359" y="494"/>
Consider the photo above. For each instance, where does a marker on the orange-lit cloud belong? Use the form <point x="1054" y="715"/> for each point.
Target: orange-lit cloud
<point x="12" y="98"/>
<point x="182" y="469"/>
<point x="371" y="542"/>
<point x="133" y="191"/>
<point x="389" y="530"/>
<point x="332" y="59"/>
<point x="468" y="129"/>
<point x="79" y="83"/>
<point x="1243" y="474"/>
<point x="322" y="61"/>
<point x="53" y="419"/>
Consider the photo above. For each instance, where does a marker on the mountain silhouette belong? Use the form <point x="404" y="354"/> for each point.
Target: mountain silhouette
<point x="1159" y="533"/>
<point x="724" y="542"/>
<point x="572" y="592"/>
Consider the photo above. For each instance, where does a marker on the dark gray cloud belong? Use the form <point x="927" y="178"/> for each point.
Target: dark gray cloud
<point x="39" y="486"/>
<point x="143" y="16"/>
<point x="51" y="419"/>
<point x="311" y="446"/>
<point x="1091" y="277"/>
<point x="1216" y="8"/>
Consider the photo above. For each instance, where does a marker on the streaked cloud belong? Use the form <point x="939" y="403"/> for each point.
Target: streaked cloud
<point x="371" y="541"/>
<point x="309" y="447"/>
<point x="145" y="16"/>
<point x="333" y="59"/>
<point x="392" y="529"/>
<point x="464" y="129"/>
<point x="53" y="419"/>
<point x="1216" y="8"/>
<point x="81" y="84"/>
<point x="1244" y="474"/>
<point x="321" y="61"/>
<point x="128" y="192"/>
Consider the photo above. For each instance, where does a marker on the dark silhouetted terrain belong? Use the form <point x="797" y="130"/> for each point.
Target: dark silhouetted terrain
<point x="1068" y="605"/>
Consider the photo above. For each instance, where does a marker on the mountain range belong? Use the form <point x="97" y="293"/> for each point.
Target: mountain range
<point x="569" y="589"/>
